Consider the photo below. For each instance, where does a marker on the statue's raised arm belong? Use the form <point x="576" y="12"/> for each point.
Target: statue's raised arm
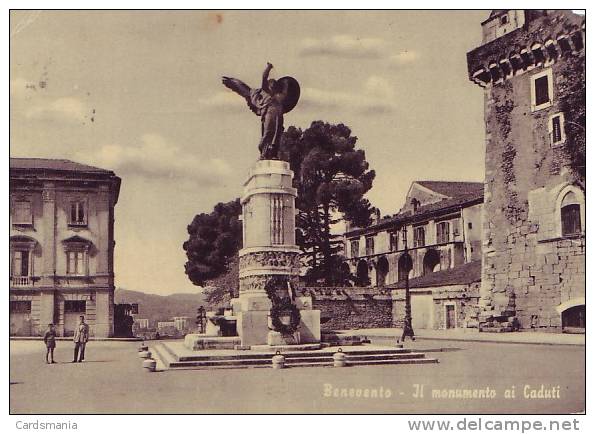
<point x="270" y="102"/>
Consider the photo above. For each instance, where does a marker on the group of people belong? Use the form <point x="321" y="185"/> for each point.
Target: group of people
<point x="81" y="337"/>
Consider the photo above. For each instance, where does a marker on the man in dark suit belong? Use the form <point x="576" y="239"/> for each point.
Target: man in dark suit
<point x="81" y="337"/>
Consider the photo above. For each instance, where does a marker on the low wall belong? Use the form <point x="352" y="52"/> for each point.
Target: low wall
<point x="352" y="308"/>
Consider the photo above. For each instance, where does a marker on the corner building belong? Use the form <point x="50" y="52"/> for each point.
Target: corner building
<point x="61" y="246"/>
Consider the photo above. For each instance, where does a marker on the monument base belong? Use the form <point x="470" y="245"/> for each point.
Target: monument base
<point x="254" y="325"/>
<point x="277" y="339"/>
<point x="309" y="326"/>
<point x="199" y="341"/>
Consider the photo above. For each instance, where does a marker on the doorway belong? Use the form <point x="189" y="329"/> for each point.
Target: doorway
<point x="450" y="317"/>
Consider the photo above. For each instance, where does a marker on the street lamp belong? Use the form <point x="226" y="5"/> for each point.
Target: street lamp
<point x="200" y="319"/>
<point x="408" y="265"/>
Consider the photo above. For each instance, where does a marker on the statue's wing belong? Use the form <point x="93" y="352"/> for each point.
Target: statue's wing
<point x="290" y="91"/>
<point x="238" y="86"/>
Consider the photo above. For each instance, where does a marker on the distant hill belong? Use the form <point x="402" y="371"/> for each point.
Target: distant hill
<point x="161" y="307"/>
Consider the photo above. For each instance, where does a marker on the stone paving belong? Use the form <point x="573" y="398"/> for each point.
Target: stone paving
<point x="112" y="381"/>
<point x="472" y="335"/>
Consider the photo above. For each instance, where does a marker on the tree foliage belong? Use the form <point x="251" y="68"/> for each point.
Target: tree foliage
<point x="331" y="177"/>
<point x="571" y="87"/>
<point x="214" y="240"/>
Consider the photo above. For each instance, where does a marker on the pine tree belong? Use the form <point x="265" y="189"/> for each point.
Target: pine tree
<point x="331" y="177"/>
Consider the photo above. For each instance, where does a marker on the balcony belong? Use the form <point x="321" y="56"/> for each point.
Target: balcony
<point x="21" y="281"/>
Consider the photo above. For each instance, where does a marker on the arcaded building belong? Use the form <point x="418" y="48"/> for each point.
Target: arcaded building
<point x="442" y="220"/>
<point x="61" y="246"/>
<point x="531" y="67"/>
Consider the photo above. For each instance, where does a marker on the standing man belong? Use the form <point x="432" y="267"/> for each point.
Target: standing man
<point x="81" y="336"/>
<point x="50" y="342"/>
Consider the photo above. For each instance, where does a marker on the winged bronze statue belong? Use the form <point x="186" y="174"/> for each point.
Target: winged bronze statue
<point x="271" y="101"/>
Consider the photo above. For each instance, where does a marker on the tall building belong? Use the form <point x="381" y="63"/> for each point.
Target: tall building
<point x="531" y="66"/>
<point x="61" y="246"/>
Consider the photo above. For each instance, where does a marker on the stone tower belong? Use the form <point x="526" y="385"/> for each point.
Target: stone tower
<point x="531" y="66"/>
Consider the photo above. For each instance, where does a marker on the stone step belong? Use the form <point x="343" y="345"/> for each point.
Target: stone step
<point x="163" y="356"/>
<point x="495" y="329"/>
<point x="243" y="364"/>
<point x="297" y="359"/>
<point x="167" y="357"/>
<point x="287" y="355"/>
<point x="367" y="362"/>
<point x="321" y="360"/>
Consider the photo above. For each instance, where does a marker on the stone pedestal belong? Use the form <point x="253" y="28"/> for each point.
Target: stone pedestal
<point x="269" y="250"/>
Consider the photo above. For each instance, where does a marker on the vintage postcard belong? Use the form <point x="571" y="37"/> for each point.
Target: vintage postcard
<point x="298" y="212"/>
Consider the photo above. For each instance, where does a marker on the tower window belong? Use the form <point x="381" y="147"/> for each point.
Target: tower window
<point x="556" y="129"/>
<point x="504" y="19"/>
<point x="570" y="212"/>
<point x="541" y="90"/>
<point x="571" y="220"/>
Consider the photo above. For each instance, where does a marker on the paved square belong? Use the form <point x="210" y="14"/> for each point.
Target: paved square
<point x="111" y="380"/>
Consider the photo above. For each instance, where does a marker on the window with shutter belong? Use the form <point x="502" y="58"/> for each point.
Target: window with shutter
<point x="541" y="90"/>
<point x="78" y="213"/>
<point x="419" y="237"/>
<point x="76" y="264"/>
<point x="556" y="129"/>
<point x="571" y="220"/>
<point x="369" y="246"/>
<point x="442" y="232"/>
<point x="354" y="248"/>
<point x="394" y="241"/>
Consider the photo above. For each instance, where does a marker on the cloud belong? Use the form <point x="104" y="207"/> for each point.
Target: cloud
<point x="65" y="109"/>
<point x="379" y="87"/>
<point x="224" y="100"/>
<point x="375" y="97"/>
<point x="404" y="58"/>
<point x="153" y="157"/>
<point x="346" y="46"/>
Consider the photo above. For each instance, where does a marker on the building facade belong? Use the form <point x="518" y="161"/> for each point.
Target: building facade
<point x="442" y="221"/>
<point x="531" y="66"/>
<point x="61" y="246"/>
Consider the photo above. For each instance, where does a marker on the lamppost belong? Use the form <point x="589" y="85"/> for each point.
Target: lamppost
<point x="200" y="319"/>
<point x="408" y="265"/>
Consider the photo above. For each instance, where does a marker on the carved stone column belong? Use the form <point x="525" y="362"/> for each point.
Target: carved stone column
<point x="269" y="251"/>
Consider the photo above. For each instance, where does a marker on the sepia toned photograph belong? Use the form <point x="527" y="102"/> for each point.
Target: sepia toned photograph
<point x="297" y="212"/>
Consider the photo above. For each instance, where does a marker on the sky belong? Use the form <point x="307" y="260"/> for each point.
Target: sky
<point x="140" y="93"/>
